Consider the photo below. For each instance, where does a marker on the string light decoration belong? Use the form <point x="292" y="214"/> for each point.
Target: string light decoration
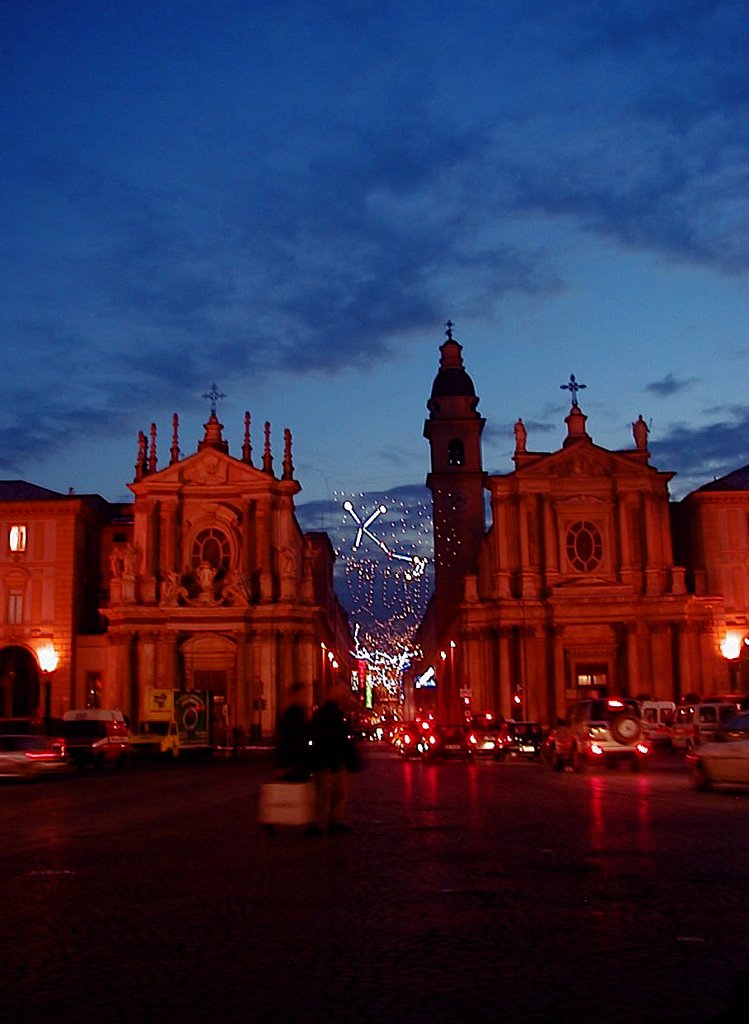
<point x="384" y="578"/>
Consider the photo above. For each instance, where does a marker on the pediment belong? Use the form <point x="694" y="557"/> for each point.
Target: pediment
<point x="208" y="468"/>
<point x="580" y="461"/>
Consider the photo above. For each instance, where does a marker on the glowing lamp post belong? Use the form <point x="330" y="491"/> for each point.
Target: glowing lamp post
<point x="730" y="646"/>
<point x="49" y="659"/>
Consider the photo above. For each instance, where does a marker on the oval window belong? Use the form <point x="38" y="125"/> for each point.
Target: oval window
<point x="584" y="546"/>
<point x="212" y="546"/>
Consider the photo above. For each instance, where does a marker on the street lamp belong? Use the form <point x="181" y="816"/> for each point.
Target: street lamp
<point x="49" y="659"/>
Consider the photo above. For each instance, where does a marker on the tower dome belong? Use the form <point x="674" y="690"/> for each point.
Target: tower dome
<point x="452" y="380"/>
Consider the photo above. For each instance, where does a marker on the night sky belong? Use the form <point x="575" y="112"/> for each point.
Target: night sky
<point x="290" y="200"/>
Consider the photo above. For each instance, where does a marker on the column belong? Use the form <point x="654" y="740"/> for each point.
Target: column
<point x="635" y="682"/>
<point x="551" y="564"/>
<point x="500" y="541"/>
<point x="505" y="671"/>
<point x="685" y="681"/>
<point x="558" y="702"/>
<point x="264" y="540"/>
<point x="242" y="700"/>
<point x="662" y="664"/>
<point x="624" y="509"/>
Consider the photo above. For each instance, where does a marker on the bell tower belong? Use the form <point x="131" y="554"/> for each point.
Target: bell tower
<point x="456" y="480"/>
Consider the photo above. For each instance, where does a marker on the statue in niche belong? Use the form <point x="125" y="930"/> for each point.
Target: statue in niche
<point x="123" y="561"/>
<point x="288" y="562"/>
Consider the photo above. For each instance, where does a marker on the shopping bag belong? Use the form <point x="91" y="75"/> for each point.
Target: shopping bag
<point x="286" y="803"/>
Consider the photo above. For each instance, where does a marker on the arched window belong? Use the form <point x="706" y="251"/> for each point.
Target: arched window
<point x="584" y="546"/>
<point x="455" y="452"/>
<point x="212" y="546"/>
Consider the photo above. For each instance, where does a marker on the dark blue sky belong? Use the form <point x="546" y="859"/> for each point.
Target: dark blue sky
<point x="291" y="198"/>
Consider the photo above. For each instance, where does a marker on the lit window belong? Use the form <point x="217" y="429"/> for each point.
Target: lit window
<point x="584" y="546"/>
<point x="17" y="538"/>
<point x="15" y="608"/>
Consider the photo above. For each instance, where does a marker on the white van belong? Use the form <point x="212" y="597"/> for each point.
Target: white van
<point x="698" y="723"/>
<point x="657" y="720"/>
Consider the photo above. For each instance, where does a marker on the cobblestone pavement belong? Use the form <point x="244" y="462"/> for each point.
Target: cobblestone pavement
<point x="487" y="892"/>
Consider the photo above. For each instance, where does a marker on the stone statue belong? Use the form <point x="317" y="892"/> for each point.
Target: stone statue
<point x="238" y="590"/>
<point x="288" y="562"/>
<point x="123" y="561"/>
<point x="640" y="433"/>
<point x="206" y="574"/>
<point x="521" y="436"/>
<point x="172" y="589"/>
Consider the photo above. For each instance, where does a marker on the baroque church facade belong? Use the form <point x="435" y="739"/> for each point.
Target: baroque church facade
<point x="204" y="588"/>
<point x="588" y="581"/>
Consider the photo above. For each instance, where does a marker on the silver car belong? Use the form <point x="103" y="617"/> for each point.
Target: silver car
<point x="26" y="756"/>
<point x="604" y="731"/>
<point x="725" y="760"/>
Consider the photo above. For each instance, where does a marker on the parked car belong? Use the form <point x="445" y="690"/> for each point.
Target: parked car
<point x="725" y="760"/>
<point x="524" y="739"/>
<point x="410" y="739"/>
<point x="697" y="723"/>
<point x="449" y="741"/>
<point x="30" y="756"/>
<point x="488" y="738"/>
<point x="96" y="736"/>
<point x="607" y="731"/>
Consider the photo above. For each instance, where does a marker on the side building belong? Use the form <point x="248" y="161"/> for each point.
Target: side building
<point x="204" y="587"/>
<point x="574" y="590"/>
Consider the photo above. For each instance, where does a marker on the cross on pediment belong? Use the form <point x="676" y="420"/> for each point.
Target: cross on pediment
<point x="213" y="396"/>
<point x="573" y="387"/>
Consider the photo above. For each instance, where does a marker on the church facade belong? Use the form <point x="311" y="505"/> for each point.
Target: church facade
<point x="575" y="589"/>
<point x="203" y="588"/>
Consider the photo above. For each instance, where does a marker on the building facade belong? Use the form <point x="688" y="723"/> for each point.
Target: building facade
<point x="203" y="587"/>
<point x="575" y="589"/>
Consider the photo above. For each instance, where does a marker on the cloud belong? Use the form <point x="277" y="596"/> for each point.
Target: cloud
<point x="700" y="454"/>
<point x="669" y="385"/>
<point x="295" y="215"/>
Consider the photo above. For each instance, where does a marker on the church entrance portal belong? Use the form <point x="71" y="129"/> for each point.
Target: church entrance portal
<point x="213" y="681"/>
<point x="591" y="681"/>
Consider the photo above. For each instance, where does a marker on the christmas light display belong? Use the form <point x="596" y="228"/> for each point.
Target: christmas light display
<point x="384" y="578"/>
<point x="416" y="562"/>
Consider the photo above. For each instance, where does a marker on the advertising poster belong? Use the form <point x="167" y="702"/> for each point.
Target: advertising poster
<point x="191" y="713"/>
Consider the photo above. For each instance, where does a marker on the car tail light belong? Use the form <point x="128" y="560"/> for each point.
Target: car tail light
<point x="615" y="704"/>
<point x="41" y="755"/>
<point x="596" y="748"/>
<point x="643" y="748"/>
<point x="472" y="738"/>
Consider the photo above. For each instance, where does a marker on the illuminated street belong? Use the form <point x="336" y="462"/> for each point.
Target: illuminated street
<point x="489" y="891"/>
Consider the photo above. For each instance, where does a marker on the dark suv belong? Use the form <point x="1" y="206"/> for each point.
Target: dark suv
<point x="600" y="731"/>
